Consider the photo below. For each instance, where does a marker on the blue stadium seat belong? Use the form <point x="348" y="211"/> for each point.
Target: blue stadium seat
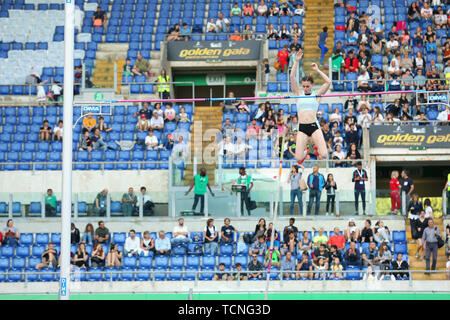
<point x="95" y="275"/>
<point x="209" y="261"/>
<point x="130" y="262"/>
<point x="42" y="239"/>
<point x="7" y="251"/>
<point x="177" y="262"/>
<point x="399" y="236"/>
<point x="145" y="262"/>
<point x="226" y="249"/>
<point x="26" y="239"/>
<point x="161" y="262"/>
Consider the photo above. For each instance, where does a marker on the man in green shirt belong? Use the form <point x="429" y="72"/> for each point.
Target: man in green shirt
<point x="336" y="64"/>
<point x="200" y="183"/>
<point x="276" y="256"/>
<point x="129" y="201"/>
<point x="248" y="182"/>
<point x="100" y="203"/>
<point x="236" y="11"/>
<point x="50" y="204"/>
<point x="141" y="66"/>
<point x="320" y="238"/>
<point x="101" y="233"/>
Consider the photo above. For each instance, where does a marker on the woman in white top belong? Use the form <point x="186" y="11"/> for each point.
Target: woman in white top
<point x="352" y="232"/>
<point x="147" y="245"/>
<point x="272" y="33"/>
<point x="226" y="148"/>
<point x="370" y="274"/>
<point x="377" y="116"/>
<point x="336" y="116"/>
<point x="307" y="110"/>
<point x="418" y="61"/>
<point x="157" y="108"/>
<point x="211" y="26"/>
<point x="58" y="131"/>
<point x="210" y="236"/>
<point x="338" y="154"/>
<point x="284" y="32"/>
<point x="381" y="232"/>
<point x="262" y="8"/>
<point x="363" y="102"/>
<point x="428" y="209"/>
<point x="296" y="31"/>
<point x="240" y="149"/>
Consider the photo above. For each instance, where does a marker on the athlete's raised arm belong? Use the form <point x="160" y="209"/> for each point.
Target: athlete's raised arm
<point x="327" y="82"/>
<point x="294" y="82"/>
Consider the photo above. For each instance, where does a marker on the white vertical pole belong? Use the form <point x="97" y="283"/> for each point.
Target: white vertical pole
<point x="66" y="205"/>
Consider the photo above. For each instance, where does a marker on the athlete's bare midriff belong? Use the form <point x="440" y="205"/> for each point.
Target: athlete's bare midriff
<point x="306" y="116"/>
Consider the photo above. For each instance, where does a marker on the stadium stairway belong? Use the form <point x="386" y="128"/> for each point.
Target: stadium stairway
<point x="318" y="15"/>
<point x="107" y="54"/>
<point x="211" y="118"/>
<point x="416" y="264"/>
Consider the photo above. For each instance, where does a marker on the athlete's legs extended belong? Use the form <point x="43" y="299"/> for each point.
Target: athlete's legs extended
<point x="319" y="141"/>
<point x="300" y="152"/>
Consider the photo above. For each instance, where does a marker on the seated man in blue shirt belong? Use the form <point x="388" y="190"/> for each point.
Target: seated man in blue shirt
<point x="352" y="256"/>
<point x="304" y="265"/>
<point x="162" y="244"/>
<point x="185" y="31"/>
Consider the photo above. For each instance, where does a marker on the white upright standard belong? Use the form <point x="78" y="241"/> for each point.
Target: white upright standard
<point x="66" y="205"/>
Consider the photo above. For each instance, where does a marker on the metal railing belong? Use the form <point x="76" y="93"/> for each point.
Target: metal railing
<point x="196" y="275"/>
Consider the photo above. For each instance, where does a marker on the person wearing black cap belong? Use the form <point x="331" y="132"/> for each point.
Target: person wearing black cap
<point x="359" y="178"/>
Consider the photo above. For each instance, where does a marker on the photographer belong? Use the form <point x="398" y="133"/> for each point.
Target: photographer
<point x="294" y="179"/>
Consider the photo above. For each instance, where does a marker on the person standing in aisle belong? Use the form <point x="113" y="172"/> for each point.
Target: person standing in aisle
<point x="200" y="183"/>
<point x="430" y="242"/>
<point x="322" y="42"/>
<point x="395" y="186"/>
<point x="245" y="179"/>
<point x="331" y="187"/>
<point x="407" y="188"/>
<point x="359" y="178"/>
<point x="294" y="179"/>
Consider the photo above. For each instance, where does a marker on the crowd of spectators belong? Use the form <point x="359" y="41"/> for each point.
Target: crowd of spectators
<point x="412" y="56"/>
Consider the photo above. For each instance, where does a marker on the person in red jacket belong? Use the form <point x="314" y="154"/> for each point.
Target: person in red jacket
<point x="283" y="56"/>
<point x="395" y="186"/>
<point x="351" y="62"/>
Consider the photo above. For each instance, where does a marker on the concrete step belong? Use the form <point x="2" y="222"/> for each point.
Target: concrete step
<point x="433" y="276"/>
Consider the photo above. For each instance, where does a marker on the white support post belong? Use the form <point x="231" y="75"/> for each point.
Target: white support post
<point x="75" y="205"/>
<point x="66" y="205"/>
<point x="444" y="203"/>
<point x="404" y="213"/>
<point x="337" y="204"/>
<point x="141" y="205"/>
<point x="206" y="205"/>
<point x="43" y="206"/>
<point x="238" y="204"/>
<point x="10" y="206"/>
<point x="108" y="206"/>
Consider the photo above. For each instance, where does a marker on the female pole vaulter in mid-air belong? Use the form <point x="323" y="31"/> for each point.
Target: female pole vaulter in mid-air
<point x="309" y="128"/>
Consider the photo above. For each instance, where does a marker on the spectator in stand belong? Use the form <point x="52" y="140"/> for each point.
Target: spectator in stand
<point x="337" y="240"/>
<point x="255" y="268"/>
<point x="180" y="234"/>
<point x="141" y="66"/>
<point x="400" y="267"/>
<point x="221" y="275"/>
<point x="294" y="179"/>
<point x="316" y="182"/>
<point x="114" y="257"/>
<point x="351" y="62"/>
<point x="426" y="12"/>
<point x="45" y="132"/>
<point x="162" y="244"/>
<point x="156" y="122"/>
<point x="352" y="39"/>
<point x="377" y="29"/>
<point x="127" y="67"/>
<point x="352" y="23"/>
<point x="429" y="239"/>
<point x="290" y="244"/>
<point x="132" y="244"/>
<point x="210" y="237"/>
<point x="101" y="233"/>
<point x="81" y="257"/>
<point x="248" y="32"/>
<point x="147" y="245"/>
<point x="88" y="234"/>
<point x="395" y="187"/>
<point x="440" y="19"/>
<point x="353" y="153"/>
<point x="296" y="33"/>
<point x="305" y="244"/>
<point x="352" y="233"/>
<point x="227" y="232"/>
<point x="320" y="267"/>
<point x="222" y="24"/>
<point x="299" y="10"/>
<point x="272" y="33"/>
<point x="288" y="264"/>
<point x="283" y="56"/>
<point x="144" y="111"/>
<point x="50" y="204"/>
<point x="49" y="257"/>
<point x="236" y="36"/>
<point x="74" y="234"/>
<point x="97" y="141"/>
<point x="274" y="10"/>
<point x="338" y="154"/>
<point x="392" y="45"/>
<point x="99" y="18"/>
<point x="276" y="257"/>
<point x="320" y="238"/>
<point x="331" y="187"/>
<point x="433" y="69"/>
<point x="239" y="274"/>
<point x="182" y="116"/>
<point x="367" y="232"/>
<point x="394" y="70"/>
<point x="253" y="131"/>
<point x="284" y="32"/>
<point x="262" y="9"/>
<point x="129" y="201"/>
<point x="211" y="26"/>
<point x="228" y="129"/>
<point x="89" y="122"/>
<point x="414" y="12"/>
<point x="11" y="234"/>
<point x="430" y="44"/>
<point x="419" y="63"/>
<point x="236" y="10"/>
<point x="419" y="226"/>
<point x="143" y="123"/>
<point x="248" y="9"/>
<point x="174" y="33"/>
<point x="100" y="203"/>
<point x="304" y="265"/>
<point x="359" y="177"/>
<point x="258" y="246"/>
<point x="352" y="256"/>
<point x="363" y="80"/>
<point x="58" y="131"/>
<point x="381" y="232"/>
<point x="385" y="256"/>
<point x="290" y="228"/>
<point x="407" y="82"/>
<point x="102" y="126"/>
<point x="370" y="256"/>
<point x="336" y="116"/>
<point x="169" y="113"/>
<point x="98" y="256"/>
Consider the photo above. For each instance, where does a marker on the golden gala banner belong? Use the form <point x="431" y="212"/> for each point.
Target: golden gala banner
<point x="213" y="50"/>
<point x="406" y="136"/>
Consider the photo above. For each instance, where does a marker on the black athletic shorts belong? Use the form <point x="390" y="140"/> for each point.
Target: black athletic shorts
<point x="308" y="128"/>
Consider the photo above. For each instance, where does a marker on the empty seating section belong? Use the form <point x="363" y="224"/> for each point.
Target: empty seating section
<point x="20" y="145"/>
<point x="182" y="265"/>
<point x="29" y="46"/>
